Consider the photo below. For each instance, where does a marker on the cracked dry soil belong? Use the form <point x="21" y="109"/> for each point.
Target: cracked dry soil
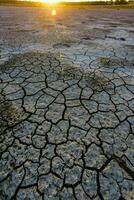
<point x="66" y="113"/>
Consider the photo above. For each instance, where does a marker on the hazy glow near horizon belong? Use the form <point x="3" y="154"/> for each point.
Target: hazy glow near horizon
<point x="55" y="1"/>
<point x="49" y="1"/>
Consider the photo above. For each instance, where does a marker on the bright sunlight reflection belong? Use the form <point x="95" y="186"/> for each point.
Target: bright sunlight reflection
<point x="53" y="12"/>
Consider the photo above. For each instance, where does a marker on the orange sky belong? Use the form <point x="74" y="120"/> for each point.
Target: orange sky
<point x="64" y="0"/>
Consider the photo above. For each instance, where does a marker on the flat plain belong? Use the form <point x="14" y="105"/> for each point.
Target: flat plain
<point x="66" y="103"/>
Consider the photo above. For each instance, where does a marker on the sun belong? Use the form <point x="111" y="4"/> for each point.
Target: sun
<point x="50" y="1"/>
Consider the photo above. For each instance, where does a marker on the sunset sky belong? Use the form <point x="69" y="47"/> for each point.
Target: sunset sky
<point x="51" y="1"/>
<point x="54" y="1"/>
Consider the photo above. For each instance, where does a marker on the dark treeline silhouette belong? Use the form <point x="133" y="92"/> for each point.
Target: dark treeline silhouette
<point x="19" y="3"/>
<point x="96" y="2"/>
<point x="86" y="3"/>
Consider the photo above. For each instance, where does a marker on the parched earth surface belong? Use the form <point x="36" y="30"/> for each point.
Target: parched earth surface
<point x="66" y="104"/>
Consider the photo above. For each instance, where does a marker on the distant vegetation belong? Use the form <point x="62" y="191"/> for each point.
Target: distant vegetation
<point x="108" y="4"/>
<point x="103" y="2"/>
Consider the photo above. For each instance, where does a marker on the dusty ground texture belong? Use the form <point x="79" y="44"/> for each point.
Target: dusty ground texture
<point x="66" y="104"/>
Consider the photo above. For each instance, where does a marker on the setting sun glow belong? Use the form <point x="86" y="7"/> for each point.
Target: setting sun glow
<point x="49" y="1"/>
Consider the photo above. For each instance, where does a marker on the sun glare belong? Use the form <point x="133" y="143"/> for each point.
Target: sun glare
<point x="50" y="1"/>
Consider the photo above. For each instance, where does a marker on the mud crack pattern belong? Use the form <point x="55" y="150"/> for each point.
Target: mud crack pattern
<point x="67" y="125"/>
